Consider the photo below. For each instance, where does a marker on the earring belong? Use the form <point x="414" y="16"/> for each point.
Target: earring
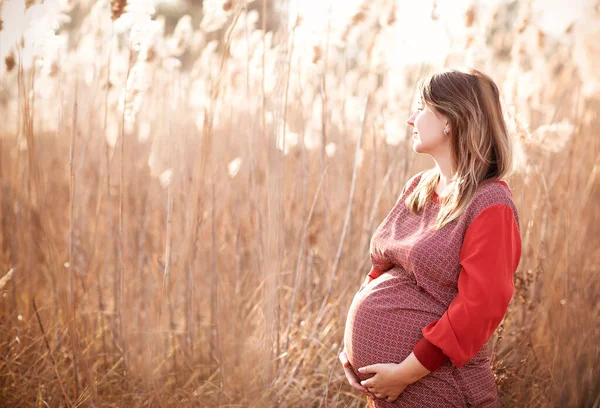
<point x="445" y="132"/>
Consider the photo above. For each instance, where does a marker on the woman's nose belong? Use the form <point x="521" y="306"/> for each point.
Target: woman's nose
<point x="411" y="119"/>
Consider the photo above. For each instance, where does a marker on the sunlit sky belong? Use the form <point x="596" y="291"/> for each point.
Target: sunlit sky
<point x="416" y="36"/>
<point x="552" y="16"/>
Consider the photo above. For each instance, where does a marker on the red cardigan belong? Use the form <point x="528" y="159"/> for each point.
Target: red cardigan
<point x="489" y="256"/>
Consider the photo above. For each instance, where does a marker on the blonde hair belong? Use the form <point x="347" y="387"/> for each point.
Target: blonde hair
<point x="481" y="147"/>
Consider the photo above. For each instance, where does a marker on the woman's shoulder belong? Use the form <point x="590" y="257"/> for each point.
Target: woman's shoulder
<point x="492" y="193"/>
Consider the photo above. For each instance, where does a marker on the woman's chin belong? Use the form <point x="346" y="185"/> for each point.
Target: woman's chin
<point x="417" y="146"/>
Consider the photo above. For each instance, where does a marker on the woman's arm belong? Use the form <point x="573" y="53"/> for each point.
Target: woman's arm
<point x="413" y="368"/>
<point x="489" y="257"/>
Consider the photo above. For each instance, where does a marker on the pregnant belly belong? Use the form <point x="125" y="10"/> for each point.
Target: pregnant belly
<point x="385" y="320"/>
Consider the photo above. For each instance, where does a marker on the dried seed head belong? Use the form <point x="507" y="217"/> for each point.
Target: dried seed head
<point x="558" y="69"/>
<point x="52" y="69"/>
<point x="4" y="280"/>
<point x="234" y="167"/>
<point x="434" y="11"/>
<point x="344" y="37"/>
<point x="495" y="16"/>
<point x="0" y="22"/>
<point x="182" y="36"/>
<point x="392" y="16"/>
<point x="117" y="7"/>
<point x="299" y="20"/>
<point x="469" y="41"/>
<point x="470" y="15"/>
<point x="317" y="54"/>
<point x="541" y="38"/>
<point x="523" y="25"/>
<point x="227" y="5"/>
<point x="569" y="29"/>
<point x="147" y="54"/>
<point x="358" y="18"/>
<point x="166" y="178"/>
<point x="9" y="60"/>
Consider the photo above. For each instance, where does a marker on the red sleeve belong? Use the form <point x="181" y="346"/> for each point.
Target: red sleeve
<point x="375" y="273"/>
<point x="489" y="257"/>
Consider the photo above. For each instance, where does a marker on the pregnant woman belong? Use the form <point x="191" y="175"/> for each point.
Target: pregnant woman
<point x="443" y="259"/>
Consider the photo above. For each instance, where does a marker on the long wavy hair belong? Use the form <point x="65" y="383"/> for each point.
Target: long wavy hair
<point x="482" y="149"/>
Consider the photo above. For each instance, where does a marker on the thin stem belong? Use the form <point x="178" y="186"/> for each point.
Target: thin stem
<point x="338" y="255"/>
<point x="72" y="298"/>
<point x="60" y="382"/>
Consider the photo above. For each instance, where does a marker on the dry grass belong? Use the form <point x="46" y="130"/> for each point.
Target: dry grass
<point x="141" y="266"/>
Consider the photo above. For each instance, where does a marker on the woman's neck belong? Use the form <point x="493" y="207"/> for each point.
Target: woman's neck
<point x="446" y="174"/>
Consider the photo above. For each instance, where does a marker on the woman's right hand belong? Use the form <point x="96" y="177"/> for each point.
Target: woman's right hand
<point x="351" y="377"/>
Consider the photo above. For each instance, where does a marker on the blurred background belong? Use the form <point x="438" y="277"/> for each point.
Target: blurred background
<point x="189" y="188"/>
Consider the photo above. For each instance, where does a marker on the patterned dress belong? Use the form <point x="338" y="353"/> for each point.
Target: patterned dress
<point x="440" y="294"/>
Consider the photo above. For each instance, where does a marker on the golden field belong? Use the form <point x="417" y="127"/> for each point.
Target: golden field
<point x="188" y="191"/>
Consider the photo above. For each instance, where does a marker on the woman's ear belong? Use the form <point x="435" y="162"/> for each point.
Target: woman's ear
<point x="447" y="129"/>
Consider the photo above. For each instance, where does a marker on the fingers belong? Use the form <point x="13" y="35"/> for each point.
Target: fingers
<point x="353" y="381"/>
<point x="369" y="369"/>
<point x="368" y="382"/>
<point x="350" y="376"/>
<point x="344" y="359"/>
<point x="389" y="398"/>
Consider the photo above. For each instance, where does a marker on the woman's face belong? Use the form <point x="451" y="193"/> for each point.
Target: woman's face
<point x="428" y="130"/>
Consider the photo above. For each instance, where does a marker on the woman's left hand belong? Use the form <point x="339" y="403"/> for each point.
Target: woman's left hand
<point x="388" y="381"/>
